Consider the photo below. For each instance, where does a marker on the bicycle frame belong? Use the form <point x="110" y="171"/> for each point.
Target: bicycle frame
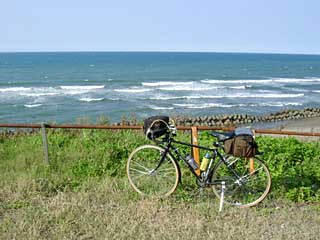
<point x="200" y="177"/>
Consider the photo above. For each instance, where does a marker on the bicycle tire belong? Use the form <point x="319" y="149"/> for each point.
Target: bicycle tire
<point x="147" y="181"/>
<point x="254" y="186"/>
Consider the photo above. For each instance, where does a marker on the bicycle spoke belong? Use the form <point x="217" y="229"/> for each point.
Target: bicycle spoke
<point x="143" y="176"/>
<point x="250" y="188"/>
<point x="165" y="170"/>
<point x="138" y="176"/>
<point x="252" y="173"/>
<point x="138" y="171"/>
<point x="135" y="162"/>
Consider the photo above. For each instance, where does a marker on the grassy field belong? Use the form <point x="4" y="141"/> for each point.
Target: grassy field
<point x="108" y="209"/>
<point x="84" y="193"/>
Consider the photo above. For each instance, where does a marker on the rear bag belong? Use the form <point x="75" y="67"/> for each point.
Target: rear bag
<point x="242" y="144"/>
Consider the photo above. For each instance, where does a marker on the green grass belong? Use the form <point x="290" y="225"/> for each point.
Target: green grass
<point x="84" y="193"/>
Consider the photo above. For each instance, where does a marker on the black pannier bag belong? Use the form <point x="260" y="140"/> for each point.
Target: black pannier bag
<point x="155" y="126"/>
<point x="242" y="144"/>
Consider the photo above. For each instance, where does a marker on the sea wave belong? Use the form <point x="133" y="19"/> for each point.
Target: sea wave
<point x="239" y="95"/>
<point x="50" y="91"/>
<point x="184" y="97"/>
<point x="41" y="94"/>
<point x="87" y="99"/>
<point x="32" y="105"/>
<point x="187" y="88"/>
<point x="165" y="83"/>
<point x="203" y="105"/>
<point x="14" y="89"/>
<point x="92" y="87"/>
<point x="161" y="108"/>
<point x="242" y="87"/>
<point x="219" y="105"/>
<point x="133" y="90"/>
<point x="280" y="104"/>
<point x="268" y="95"/>
<point x="261" y="81"/>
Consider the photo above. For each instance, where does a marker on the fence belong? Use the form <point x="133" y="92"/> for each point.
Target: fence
<point x="194" y="132"/>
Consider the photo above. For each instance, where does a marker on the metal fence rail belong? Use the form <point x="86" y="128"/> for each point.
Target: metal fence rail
<point x="194" y="132"/>
<point x="121" y="127"/>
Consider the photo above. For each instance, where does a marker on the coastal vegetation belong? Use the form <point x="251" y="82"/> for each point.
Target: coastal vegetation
<point x="83" y="193"/>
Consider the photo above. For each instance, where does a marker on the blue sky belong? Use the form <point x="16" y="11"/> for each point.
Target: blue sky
<point x="278" y="26"/>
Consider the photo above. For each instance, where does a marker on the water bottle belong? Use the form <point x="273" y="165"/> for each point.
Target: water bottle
<point x="205" y="162"/>
<point x="192" y="163"/>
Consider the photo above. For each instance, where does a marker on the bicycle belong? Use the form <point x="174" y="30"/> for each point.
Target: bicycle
<point x="153" y="170"/>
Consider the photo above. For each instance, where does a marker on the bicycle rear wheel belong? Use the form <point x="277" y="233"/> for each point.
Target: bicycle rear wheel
<point x="249" y="189"/>
<point x="142" y="174"/>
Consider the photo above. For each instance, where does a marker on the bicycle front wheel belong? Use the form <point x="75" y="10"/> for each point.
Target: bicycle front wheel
<point x="250" y="187"/>
<point x="145" y="178"/>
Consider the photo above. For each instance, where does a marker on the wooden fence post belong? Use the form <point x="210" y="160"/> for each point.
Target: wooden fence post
<point x="45" y="144"/>
<point x="195" y="151"/>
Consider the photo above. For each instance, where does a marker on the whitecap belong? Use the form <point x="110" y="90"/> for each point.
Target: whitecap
<point x="271" y="95"/>
<point x="88" y="87"/>
<point x="244" y="81"/>
<point x="295" y="80"/>
<point x="187" y="88"/>
<point x="239" y="95"/>
<point x="185" y="97"/>
<point x="242" y="87"/>
<point x="280" y="104"/>
<point x="164" y="83"/>
<point x="32" y="105"/>
<point x="204" y="105"/>
<point x="133" y="90"/>
<point x="14" y="89"/>
<point x="260" y="81"/>
<point x="39" y="94"/>
<point x="91" y="99"/>
<point x="161" y="108"/>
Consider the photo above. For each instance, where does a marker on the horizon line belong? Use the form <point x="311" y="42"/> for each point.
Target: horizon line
<point x="157" y="51"/>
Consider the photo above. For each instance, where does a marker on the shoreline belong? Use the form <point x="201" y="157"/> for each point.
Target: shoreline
<point x="306" y="119"/>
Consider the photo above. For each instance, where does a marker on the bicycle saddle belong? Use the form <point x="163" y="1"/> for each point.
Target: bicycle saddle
<point x="222" y="136"/>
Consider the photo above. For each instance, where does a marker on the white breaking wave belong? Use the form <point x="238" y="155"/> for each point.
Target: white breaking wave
<point x="263" y="81"/>
<point x="214" y="81"/>
<point x="50" y="91"/>
<point x="185" y="97"/>
<point x="14" y="89"/>
<point x="91" y="99"/>
<point x="133" y="90"/>
<point x="279" y="104"/>
<point x="267" y="95"/>
<point x="92" y="87"/>
<point x="161" y="108"/>
<point x="204" y="105"/>
<point x="243" y="87"/>
<point x="317" y="91"/>
<point x="32" y="105"/>
<point x="218" y="105"/>
<point x="296" y="80"/>
<point x="187" y="88"/>
<point x="164" y="83"/>
<point x="39" y="94"/>
<point x="271" y="95"/>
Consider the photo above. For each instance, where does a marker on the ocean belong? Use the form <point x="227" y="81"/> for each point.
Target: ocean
<point x="61" y="87"/>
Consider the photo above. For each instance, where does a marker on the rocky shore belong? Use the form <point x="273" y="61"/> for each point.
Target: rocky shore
<point x="245" y="119"/>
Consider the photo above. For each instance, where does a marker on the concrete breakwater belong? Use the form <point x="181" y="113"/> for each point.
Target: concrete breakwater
<point x="227" y="120"/>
